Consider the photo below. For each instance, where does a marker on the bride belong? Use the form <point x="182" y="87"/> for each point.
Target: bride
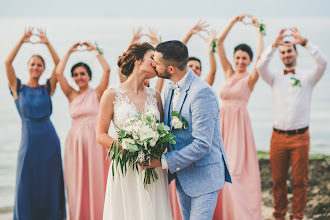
<point x="126" y="197"/>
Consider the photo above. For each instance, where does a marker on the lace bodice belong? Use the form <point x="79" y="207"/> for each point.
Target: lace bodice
<point x="124" y="108"/>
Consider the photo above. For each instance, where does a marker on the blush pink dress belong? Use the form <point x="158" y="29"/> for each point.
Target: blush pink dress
<point x="176" y="212"/>
<point x="85" y="169"/>
<point x="240" y="200"/>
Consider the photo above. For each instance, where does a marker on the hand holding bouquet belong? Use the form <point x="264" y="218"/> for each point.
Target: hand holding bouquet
<point x="142" y="138"/>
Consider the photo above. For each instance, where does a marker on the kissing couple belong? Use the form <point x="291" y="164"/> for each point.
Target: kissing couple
<point x="197" y="163"/>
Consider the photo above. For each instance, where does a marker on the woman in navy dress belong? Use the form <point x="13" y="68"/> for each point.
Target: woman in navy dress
<point x="39" y="182"/>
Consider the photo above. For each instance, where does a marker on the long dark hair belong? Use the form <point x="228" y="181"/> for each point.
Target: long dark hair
<point x="82" y="65"/>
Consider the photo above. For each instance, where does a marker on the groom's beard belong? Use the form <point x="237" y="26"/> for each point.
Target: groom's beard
<point x="165" y="75"/>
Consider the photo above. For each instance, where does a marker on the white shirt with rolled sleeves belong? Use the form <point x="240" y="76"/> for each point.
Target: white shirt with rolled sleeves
<point x="291" y="104"/>
<point x="176" y="95"/>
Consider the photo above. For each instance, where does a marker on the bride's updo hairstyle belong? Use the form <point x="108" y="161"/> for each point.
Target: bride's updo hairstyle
<point x="133" y="53"/>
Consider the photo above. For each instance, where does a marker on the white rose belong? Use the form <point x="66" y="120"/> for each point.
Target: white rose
<point x="152" y="113"/>
<point x="139" y="124"/>
<point x="128" y="121"/>
<point x="129" y="129"/>
<point x="292" y="82"/>
<point x="126" y="142"/>
<point x="176" y="122"/>
<point x="135" y="136"/>
<point x="136" y="129"/>
<point x="154" y="139"/>
<point x="145" y="132"/>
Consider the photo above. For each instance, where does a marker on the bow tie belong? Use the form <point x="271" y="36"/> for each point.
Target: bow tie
<point x="175" y="87"/>
<point x="293" y="71"/>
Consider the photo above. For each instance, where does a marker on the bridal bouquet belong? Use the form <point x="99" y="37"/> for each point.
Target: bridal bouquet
<point x="142" y="138"/>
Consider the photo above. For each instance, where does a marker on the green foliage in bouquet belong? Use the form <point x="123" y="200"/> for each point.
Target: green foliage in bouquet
<point x="136" y="150"/>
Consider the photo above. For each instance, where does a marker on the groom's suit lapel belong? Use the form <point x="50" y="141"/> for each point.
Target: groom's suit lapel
<point x="184" y="90"/>
<point x="167" y="114"/>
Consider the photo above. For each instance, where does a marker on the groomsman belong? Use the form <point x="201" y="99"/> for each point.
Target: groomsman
<point x="292" y="93"/>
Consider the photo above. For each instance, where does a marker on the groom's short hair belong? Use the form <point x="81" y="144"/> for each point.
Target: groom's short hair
<point x="174" y="53"/>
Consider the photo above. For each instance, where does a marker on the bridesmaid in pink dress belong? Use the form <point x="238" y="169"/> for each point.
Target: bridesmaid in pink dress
<point x="240" y="200"/>
<point x="85" y="169"/>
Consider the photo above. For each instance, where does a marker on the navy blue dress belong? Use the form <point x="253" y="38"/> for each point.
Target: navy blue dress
<point x="39" y="181"/>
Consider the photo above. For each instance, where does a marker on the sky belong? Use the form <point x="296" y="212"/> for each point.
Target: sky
<point x="163" y="8"/>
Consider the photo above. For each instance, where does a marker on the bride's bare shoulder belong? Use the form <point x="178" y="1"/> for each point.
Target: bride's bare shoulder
<point x="109" y="94"/>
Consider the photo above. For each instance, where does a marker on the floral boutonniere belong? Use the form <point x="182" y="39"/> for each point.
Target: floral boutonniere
<point x="98" y="48"/>
<point x="294" y="82"/>
<point x="177" y="121"/>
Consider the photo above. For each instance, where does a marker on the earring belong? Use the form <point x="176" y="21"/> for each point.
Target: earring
<point x="140" y="62"/>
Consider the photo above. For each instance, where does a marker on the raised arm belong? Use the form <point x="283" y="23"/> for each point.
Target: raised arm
<point x="226" y="66"/>
<point x="106" y="71"/>
<point x="253" y="77"/>
<point x="153" y="35"/>
<point x="159" y="84"/>
<point x="263" y="63"/>
<point x="121" y="76"/>
<point x="56" y="59"/>
<point x="137" y="34"/>
<point x="11" y="75"/>
<point x="213" y="65"/>
<point x="160" y="106"/>
<point x="66" y="88"/>
<point x="319" y="58"/>
<point x="104" y="119"/>
<point x="196" y="29"/>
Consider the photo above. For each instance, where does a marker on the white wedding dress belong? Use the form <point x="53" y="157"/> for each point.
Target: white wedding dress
<point x="126" y="198"/>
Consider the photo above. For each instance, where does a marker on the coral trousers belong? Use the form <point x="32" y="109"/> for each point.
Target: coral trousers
<point x="285" y="148"/>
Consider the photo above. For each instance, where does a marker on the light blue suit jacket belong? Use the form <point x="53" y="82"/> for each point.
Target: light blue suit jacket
<point x="199" y="158"/>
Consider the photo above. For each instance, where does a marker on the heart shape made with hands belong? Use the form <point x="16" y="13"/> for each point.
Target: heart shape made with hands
<point x="81" y="47"/>
<point x="247" y="20"/>
<point x="34" y="39"/>
<point x="288" y="36"/>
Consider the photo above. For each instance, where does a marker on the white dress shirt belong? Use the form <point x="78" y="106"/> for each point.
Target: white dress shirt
<point x="175" y="98"/>
<point x="291" y="103"/>
<point x="177" y="91"/>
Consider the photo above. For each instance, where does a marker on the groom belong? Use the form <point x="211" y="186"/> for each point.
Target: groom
<point x="198" y="163"/>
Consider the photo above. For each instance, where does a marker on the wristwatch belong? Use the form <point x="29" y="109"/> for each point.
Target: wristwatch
<point x="304" y="42"/>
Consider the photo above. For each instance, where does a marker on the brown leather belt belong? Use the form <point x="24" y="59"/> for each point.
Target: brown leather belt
<point x="291" y="132"/>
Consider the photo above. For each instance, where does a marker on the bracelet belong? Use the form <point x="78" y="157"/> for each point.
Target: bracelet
<point x="304" y="42"/>
<point x="214" y="45"/>
<point x="98" y="49"/>
<point x="262" y="29"/>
